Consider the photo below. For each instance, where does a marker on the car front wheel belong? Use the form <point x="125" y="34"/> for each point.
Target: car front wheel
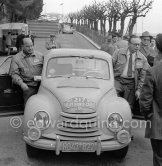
<point x="117" y="154"/>
<point x="121" y="153"/>
<point x="31" y="151"/>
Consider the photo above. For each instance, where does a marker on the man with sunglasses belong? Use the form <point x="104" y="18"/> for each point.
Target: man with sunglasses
<point x="145" y="48"/>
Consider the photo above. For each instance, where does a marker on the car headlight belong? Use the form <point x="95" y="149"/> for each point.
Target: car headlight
<point x="115" y="122"/>
<point x="34" y="133"/>
<point x="123" y="136"/>
<point x="41" y="120"/>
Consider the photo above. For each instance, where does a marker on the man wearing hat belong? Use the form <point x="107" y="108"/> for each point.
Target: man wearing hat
<point x="145" y="48"/>
<point x="151" y="105"/>
<point x="52" y="44"/>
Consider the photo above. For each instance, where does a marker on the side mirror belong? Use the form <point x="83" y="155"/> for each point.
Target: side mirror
<point x="37" y="78"/>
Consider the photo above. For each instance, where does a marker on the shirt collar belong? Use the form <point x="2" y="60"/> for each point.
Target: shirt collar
<point x="27" y="55"/>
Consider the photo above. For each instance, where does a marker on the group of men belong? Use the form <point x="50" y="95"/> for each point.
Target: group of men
<point x="138" y="75"/>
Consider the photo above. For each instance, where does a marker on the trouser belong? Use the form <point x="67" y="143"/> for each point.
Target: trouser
<point x="9" y="50"/>
<point x="32" y="91"/>
<point x="157" y="152"/>
<point x="126" y="88"/>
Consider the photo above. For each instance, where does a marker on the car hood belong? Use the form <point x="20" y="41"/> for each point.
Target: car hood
<point x="91" y="90"/>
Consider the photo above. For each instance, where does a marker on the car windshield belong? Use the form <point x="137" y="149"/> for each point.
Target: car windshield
<point x="78" y="67"/>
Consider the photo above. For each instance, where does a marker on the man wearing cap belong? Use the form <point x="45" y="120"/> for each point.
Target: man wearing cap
<point x="24" y="66"/>
<point x="151" y="105"/>
<point x="145" y="48"/>
<point x="129" y="66"/>
<point x="52" y="44"/>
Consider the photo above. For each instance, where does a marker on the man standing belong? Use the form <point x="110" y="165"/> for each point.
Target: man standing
<point x="31" y="36"/>
<point x="24" y="66"/>
<point x="52" y="44"/>
<point x="145" y="48"/>
<point x="8" y="42"/>
<point x="19" y="40"/>
<point x="130" y="66"/>
<point x="151" y="105"/>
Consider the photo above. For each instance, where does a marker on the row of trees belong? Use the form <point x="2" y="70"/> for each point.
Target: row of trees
<point x="113" y="11"/>
<point x="19" y="10"/>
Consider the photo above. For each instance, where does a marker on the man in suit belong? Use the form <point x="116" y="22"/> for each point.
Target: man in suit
<point x="151" y="105"/>
<point x="129" y="66"/>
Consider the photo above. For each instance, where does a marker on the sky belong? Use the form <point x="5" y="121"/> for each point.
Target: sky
<point x="152" y="22"/>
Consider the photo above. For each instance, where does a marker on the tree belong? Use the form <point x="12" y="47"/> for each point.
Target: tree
<point x="125" y="11"/>
<point x="140" y="9"/>
<point x="18" y="13"/>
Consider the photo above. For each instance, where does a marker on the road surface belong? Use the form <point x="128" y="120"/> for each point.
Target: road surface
<point x="12" y="146"/>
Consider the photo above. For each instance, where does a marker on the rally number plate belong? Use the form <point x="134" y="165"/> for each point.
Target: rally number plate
<point x="68" y="146"/>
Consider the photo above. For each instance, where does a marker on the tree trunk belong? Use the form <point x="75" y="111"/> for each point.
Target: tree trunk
<point x="104" y="26"/>
<point x="110" y="25"/>
<point x="122" y="25"/>
<point x="114" y="24"/>
<point x="96" y="25"/>
<point x="134" y="19"/>
<point x="101" y="26"/>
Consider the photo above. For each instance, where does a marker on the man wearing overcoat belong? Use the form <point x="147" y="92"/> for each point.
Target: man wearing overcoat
<point x="151" y="105"/>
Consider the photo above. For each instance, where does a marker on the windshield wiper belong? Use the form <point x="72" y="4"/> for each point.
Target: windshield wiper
<point x="57" y="76"/>
<point x="94" y="77"/>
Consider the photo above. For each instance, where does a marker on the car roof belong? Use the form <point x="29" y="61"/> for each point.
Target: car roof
<point x="13" y="26"/>
<point x="78" y="52"/>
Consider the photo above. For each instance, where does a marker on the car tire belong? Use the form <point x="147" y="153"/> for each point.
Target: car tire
<point x="31" y="151"/>
<point x="121" y="153"/>
<point x="117" y="154"/>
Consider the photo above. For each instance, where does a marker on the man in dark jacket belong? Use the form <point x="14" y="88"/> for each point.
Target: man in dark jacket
<point x="19" y="40"/>
<point x="151" y="105"/>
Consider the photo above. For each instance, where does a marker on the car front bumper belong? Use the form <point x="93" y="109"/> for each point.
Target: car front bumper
<point x="56" y="144"/>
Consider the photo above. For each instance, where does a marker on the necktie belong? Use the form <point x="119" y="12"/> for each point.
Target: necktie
<point x="129" y="72"/>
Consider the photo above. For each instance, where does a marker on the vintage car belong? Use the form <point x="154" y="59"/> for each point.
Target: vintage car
<point x="76" y="108"/>
<point x="67" y="28"/>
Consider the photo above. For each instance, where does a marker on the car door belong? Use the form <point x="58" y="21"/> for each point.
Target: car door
<point x="11" y="98"/>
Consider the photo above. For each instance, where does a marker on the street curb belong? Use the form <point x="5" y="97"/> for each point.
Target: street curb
<point x="90" y="40"/>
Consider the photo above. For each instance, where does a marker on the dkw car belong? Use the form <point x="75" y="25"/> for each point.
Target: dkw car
<point x="77" y="108"/>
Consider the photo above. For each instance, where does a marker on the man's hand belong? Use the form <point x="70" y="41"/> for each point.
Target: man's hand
<point x="24" y="87"/>
<point x="137" y="94"/>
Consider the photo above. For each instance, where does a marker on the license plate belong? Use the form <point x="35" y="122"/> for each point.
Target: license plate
<point x="68" y="146"/>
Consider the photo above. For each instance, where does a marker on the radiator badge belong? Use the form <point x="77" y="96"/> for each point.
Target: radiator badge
<point x="79" y="103"/>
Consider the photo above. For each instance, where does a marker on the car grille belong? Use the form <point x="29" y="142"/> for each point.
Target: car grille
<point x="81" y="125"/>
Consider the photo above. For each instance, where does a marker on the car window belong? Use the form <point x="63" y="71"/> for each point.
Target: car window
<point x="5" y="63"/>
<point x="78" y="66"/>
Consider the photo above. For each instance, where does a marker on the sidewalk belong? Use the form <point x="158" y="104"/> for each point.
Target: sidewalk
<point x="87" y="38"/>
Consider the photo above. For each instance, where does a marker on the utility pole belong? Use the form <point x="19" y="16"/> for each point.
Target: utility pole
<point x="62" y="4"/>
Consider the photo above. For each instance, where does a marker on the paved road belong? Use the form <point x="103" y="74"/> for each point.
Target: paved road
<point x="12" y="147"/>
